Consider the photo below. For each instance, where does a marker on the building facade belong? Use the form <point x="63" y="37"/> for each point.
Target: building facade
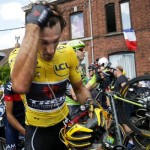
<point x="100" y="24"/>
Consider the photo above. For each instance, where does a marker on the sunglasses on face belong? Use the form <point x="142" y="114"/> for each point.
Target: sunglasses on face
<point x="81" y="50"/>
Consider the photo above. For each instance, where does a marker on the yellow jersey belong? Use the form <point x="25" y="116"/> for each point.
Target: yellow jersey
<point x="45" y="102"/>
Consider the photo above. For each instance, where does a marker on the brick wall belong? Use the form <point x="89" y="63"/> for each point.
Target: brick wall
<point x="104" y="44"/>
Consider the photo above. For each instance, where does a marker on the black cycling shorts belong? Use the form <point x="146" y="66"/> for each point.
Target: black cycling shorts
<point x="44" y="138"/>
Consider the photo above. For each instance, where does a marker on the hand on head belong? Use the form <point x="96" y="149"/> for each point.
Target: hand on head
<point x="40" y="14"/>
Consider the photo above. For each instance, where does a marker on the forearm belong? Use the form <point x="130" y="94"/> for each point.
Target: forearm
<point x="14" y="122"/>
<point x="91" y="83"/>
<point x="73" y="94"/>
<point x="25" y="63"/>
<point x="91" y="87"/>
<point x="82" y="93"/>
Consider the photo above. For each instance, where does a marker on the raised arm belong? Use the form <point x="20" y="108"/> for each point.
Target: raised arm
<point x="25" y="63"/>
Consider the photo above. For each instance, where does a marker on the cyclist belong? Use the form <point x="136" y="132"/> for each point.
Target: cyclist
<point x="40" y="70"/>
<point x="103" y="75"/>
<point x="14" y="119"/>
<point x="71" y="99"/>
<point x="91" y="70"/>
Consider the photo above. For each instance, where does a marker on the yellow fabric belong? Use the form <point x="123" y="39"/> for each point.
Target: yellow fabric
<point x="44" y="107"/>
<point x="92" y="81"/>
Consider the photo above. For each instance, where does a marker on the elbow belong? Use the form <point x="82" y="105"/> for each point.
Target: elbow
<point x="20" y="88"/>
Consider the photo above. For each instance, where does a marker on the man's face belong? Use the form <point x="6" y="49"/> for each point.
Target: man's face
<point x="49" y="39"/>
<point x="117" y="72"/>
<point x="80" y="54"/>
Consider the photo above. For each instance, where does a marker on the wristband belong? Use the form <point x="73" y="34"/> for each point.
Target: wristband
<point x="88" y="99"/>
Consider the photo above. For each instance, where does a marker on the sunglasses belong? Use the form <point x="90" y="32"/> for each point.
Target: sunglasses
<point x="81" y="50"/>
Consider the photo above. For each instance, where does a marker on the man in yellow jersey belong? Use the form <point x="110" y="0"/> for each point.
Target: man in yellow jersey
<point x="40" y="70"/>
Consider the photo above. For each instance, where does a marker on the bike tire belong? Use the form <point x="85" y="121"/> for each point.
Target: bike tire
<point x="126" y="93"/>
<point x="2" y="143"/>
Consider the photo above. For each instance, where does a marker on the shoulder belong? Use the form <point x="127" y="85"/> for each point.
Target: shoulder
<point x="15" y="51"/>
<point x="65" y="52"/>
<point x="64" y="49"/>
<point x="122" y="78"/>
<point x="13" y="55"/>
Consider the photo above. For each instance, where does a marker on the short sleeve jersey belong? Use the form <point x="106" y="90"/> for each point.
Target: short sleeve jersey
<point x="45" y="101"/>
<point x="121" y="79"/>
<point x="11" y="96"/>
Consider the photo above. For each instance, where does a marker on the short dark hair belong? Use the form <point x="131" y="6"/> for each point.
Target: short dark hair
<point x="55" y="19"/>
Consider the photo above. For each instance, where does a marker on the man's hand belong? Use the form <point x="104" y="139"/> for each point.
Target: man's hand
<point x="39" y="15"/>
<point x="91" y="104"/>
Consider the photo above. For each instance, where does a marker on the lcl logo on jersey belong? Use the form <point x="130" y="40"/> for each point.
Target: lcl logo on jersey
<point x="61" y="69"/>
<point x="61" y="47"/>
<point x="61" y="66"/>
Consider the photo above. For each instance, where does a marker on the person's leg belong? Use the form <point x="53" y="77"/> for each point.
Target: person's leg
<point x="11" y="136"/>
<point x="47" y="138"/>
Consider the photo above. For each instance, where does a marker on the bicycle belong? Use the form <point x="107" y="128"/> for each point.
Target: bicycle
<point x="139" y="98"/>
<point x="84" y="131"/>
<point x="130" y="94"/>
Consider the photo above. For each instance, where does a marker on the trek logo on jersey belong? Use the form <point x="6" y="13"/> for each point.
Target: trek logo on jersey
<point x="46" y="105"/>
<point x="61" y="69"/>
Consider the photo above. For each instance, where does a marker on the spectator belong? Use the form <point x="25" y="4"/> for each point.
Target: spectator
<point x="121" y="80"/>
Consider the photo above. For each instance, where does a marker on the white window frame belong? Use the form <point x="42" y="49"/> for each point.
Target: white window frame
<point x="85" y="62"/>
<point x="126" y="60"/>
<point x="77" y="25"/>
<point x="125" y="15"/>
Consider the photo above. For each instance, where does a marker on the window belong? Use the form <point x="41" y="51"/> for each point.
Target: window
<point x="126" y="60"/>
<point x="77" y="28"/>
<point x="125" y="15"/>
<point x="110" y="18"/>
<point x="85" y="63"/>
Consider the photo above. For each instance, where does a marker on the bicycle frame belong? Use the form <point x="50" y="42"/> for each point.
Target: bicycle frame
<point x="113" y="96"/>
<point x="128" y="101"/>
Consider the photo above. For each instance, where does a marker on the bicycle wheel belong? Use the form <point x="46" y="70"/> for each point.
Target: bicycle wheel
<point x="136" y="90"/>
<point x="2" y="143"/>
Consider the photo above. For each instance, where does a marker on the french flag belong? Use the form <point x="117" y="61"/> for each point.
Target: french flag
<point x="130" y="39"/>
